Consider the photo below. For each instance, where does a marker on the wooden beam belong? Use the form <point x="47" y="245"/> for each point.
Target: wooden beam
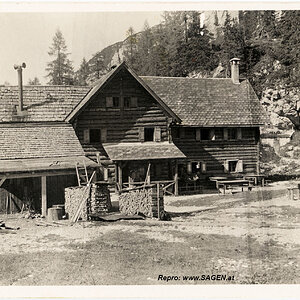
<point x="44" y="195"/>
<point x="2" y="181"/>
<point x="38" y="174"/>
<point x="176" y="178"/>
<point x="120" y="176"/>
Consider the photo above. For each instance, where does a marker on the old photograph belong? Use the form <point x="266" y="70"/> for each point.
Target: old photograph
<point x="150" y="147"/>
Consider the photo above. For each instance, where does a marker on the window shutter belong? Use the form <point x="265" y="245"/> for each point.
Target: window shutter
<point x="133" y="102"/>
<point x="103" y="135"/>
<point x="198" y="134"/>
<point x="109" y="102"/>
<point x="239" y="133"/>
<point x="86" y="135"/>
<point x="239" y="166"/>
<point x="105" y="174"/>
<point x="157" y="134"/>
<point x="203" y="167"/>
<point x="189" y="168"/>
<point x="141" y="134"/>
<point x="212" y="135"/>
<point x="226" y="166"/>
<point x="225" y="134"/>
<point x="181" y="132"/>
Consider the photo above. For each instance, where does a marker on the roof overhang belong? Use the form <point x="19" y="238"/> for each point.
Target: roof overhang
<point x="105" y="79"/>
<point x="142" y="151"/>
<point x="35" y="166"/>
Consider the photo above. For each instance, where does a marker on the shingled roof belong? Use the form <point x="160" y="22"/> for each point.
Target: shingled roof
<point x="42" y="103"/>
<point x="19" y="141"/>
<point x="141" y="151"/>
<point x="209" y="102"/>
<point x="39" y="147"/>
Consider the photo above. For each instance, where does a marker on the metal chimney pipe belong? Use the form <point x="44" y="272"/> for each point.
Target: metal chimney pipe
<point x="20" y="83"/>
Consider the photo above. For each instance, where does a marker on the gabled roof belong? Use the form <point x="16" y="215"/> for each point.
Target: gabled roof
<point x="105" y="79"/>
<point x="30" y="141"/>
<point x="42" y="103"/>
<point x="209" y="102"/>
<point x="141" y="151"/>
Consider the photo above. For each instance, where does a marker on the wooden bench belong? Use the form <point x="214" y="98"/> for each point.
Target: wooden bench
<point x="257" y="179"/>
<point x="229" y="184"/>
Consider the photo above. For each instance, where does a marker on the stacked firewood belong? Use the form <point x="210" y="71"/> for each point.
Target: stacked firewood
<point x="140" y="201"/>
<point x="97" y="200"/>
<point x="73" y="198"/>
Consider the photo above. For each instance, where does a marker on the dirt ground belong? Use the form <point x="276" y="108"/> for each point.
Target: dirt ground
<point x="253" y="237"/>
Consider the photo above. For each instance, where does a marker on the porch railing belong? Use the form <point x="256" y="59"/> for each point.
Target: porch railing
<point x="167" y="185"/>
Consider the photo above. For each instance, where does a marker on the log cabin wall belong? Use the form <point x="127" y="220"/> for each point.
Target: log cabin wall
<point x="215" y="152"/>
<point x="136" y="110"/>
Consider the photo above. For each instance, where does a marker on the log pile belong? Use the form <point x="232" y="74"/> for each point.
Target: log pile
<point x="97" y="200"/>
<point x="73" y="198"/>
<point x="141" y="201"/>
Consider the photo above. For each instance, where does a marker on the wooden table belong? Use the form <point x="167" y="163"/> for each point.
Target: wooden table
<point x="235" y="182"/>
<point x="217" y="179"/>
<point x="256" y="179"/>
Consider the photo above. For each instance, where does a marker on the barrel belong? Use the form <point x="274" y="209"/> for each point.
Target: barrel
<point x="55" y="213"/>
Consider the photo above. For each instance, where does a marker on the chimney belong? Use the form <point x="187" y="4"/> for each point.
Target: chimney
<point x="235" y="77"/>
<point x="19" y="69"/>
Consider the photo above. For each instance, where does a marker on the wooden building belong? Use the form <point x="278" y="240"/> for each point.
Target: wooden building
<point x="177" y="131"/>
<point x="183" y="130"/>
<point x="39" y="150"/>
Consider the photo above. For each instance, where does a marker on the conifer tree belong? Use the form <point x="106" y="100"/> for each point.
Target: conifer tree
<point x="83" y="73"/>
<point x="60" y="69"/>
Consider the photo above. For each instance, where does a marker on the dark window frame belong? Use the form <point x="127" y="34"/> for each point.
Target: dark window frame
<point x="95" y="135"/>
<point x="149" y="134"/>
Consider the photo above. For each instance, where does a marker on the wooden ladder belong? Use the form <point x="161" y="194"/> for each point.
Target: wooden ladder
<point x="82" y="174"/>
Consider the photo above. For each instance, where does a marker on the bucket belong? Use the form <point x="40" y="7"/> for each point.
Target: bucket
<point x="62" y="206"/>
<point x="54" y="214"/>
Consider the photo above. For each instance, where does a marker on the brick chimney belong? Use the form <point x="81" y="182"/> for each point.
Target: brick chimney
<point x="20" y="83"/>
<point x="235" y="76"/>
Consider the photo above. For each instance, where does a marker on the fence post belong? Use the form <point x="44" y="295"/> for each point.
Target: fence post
<point x="158" y="202"/>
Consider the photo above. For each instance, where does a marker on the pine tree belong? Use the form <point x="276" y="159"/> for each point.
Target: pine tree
<point x="60" y="69"/>
<point x="96" y="68"/>
<point x="34" y="81"/>
<point x="144" y="56"/>
<point x="289" y="54"/>
<point x="196" y="53"/>
<point x="130" y="47"/>
<point x="83" y="73"/>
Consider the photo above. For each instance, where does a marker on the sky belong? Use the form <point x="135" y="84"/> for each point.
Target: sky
<point x="26" y="37"/>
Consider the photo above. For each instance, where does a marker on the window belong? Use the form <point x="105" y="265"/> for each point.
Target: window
<point x="232" y="133"/>
<point x="130" y="102"/>
<point x="149" y="134"/>
<point x="127" y="102"/>
<point x="232" y="166"/>
<point x="95" y="136"/>
<point x="205" y="134"/>
<point x="190" y="133"/>
<point x="195" y="167"/>
<point x="219" y="133"/>
<point x="116" y="102"/>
